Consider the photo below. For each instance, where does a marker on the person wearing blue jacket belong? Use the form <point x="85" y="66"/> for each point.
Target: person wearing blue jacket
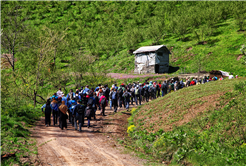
<point x="78" y="114"/>
<point x="47" y="112"/>
<point x="71" y="106"/>
<point x="64" y="99"/>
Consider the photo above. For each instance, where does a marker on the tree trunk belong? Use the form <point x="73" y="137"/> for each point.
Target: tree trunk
<point x="35" y="95"/>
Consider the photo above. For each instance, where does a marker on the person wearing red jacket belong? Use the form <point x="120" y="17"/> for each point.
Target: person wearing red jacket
<point x="103" y="102"/>
<point x="158" y="89"/>
<point x="193" y="82"/>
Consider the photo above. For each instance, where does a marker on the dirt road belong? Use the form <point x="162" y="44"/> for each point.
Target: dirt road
<point x="71" y="147"/>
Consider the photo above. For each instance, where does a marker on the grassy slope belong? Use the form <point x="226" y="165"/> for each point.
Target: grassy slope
<point x="219" y="53"/>
<point x="181" y="106"/>
<point x="192" y="126"/>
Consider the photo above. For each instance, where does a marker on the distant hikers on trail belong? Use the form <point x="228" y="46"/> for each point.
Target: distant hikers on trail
<point x="86" y="101"/>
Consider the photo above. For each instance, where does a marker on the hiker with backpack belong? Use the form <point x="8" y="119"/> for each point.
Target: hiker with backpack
<point x="54" y="108"/>
<point x="59" y="93"/>
<point x="47" y="112"/>
<point x="107" y="91"/>
<point x="71" y="105"/>
<point x="64" y="99"/>
<point x="103" y="103"/>
<point x="126" y="96"/>
<point x="115" y="100"/>
<point x="137" y="95"/>
<point x="132" y="90"/>
<point x="146" y="92"/>
<point x="110" y="98"/>
<point x="164" y="88"/>
<point x="78" y="114"/>
<point x="86" y="89"/>
<point x="89" y="111"/>
<point x="120" y="98"/>
<point x="158" y="88"/>
<point x="59" y="102"/>
<point x="70" y="95"/>
<point x="77" y="96"/>
<point x="92" y="102"/>
<point x="63" y="115"/>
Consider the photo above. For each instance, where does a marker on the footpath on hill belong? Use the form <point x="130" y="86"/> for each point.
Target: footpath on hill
<point x="92" y="146"/>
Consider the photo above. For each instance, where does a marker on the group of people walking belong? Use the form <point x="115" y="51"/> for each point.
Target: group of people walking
<point x="84" y="102"/>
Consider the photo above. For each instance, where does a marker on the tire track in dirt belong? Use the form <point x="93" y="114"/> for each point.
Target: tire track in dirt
<point x="70" y="147"/>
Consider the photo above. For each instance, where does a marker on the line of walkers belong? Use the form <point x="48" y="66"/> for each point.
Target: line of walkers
<point x="85" y="101"/>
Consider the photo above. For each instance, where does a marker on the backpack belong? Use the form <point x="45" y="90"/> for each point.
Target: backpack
<point x="132" y="93"/>
<point x="90" y="101"/>
<point x="80" y="109"/>
<point x="114" y="95"/>
<point x="146" y="89"/>
<point x="72" y="109"/>
<point x="150" y="89"/>
<point x="88" y="112"/>
<point x="76" y="98"/>
<point x="103" y="101"/>
<point x="70" y="94"/>
<point x="55" y="107"/>
<point x="127" y="95"/>
<point x="136" y="91"/>
<point x="142" y="92"/>
<point x="120" y="92"/>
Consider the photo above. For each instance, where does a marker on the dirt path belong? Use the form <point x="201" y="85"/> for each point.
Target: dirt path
<point x="71" y="147"/>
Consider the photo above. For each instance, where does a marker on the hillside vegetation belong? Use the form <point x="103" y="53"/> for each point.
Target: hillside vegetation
<point x="198" y="125"/>
<point x="108" y="31"/>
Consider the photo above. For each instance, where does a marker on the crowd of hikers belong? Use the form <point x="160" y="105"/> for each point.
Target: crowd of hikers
<point x="84" y="102"/>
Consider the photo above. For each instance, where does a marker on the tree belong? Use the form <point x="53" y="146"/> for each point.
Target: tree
<point x="239" y="13"/>
<point x="13" y="28"/>
<point x="199" y="62"/>
<point x="80" y="64"/>
<point x="36" y="64"/>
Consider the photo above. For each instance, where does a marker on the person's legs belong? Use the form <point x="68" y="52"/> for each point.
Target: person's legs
<point x="54" y="117"/>
<point x="103" y="110"/>
<point x="127" y="104"/>
<point x="140" y="99"/>
<point x="115" y="106"/>
<point x="47" y="119"/>
<point x="75" y="122"/>
<point x="72" y="120"/>
<point x="69" y="113"/>
<point x="111" y="104"/>
<point x="89" y="118"/>
<point x="136" y="99"/>
<point x="80" y="121"/>
<point x="120" y="102"/>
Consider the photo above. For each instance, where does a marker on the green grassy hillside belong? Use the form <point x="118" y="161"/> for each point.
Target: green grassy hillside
<point x="199" y="125"/>
<point x="108" y="30"/>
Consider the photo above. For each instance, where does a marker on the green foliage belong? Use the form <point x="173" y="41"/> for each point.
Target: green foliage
<point x="109" y="30"/>
<point x="15" y="124"/>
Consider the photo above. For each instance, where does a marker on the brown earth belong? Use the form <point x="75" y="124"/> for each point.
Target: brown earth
<point x="92" y="146"/>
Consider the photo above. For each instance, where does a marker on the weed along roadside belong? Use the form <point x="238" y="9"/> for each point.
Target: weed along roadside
<point x="17" y="145"/>
<point x="213" y="136"/>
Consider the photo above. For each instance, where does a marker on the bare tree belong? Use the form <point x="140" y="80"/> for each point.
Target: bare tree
<point x="12" y="30"/>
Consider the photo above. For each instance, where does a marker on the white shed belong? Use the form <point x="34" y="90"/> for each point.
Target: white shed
<point x="151" y="59"/>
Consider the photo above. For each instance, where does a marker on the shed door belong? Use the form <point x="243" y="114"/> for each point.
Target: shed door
<point x="156" y="68"/>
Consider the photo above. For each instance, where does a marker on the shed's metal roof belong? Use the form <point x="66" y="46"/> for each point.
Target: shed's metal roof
<point x="148" y="49"/>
